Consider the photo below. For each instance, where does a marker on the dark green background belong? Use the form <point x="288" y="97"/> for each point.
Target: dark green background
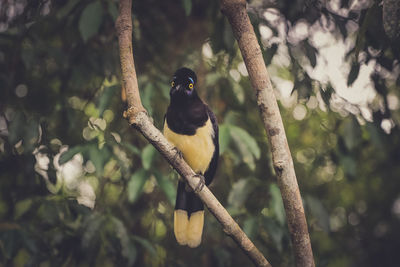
<point x="60" y="86"/>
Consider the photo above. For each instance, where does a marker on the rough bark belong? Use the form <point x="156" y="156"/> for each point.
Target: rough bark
<point x="235" y="11"/>
<point x="129" y="79"/>
<point x="139" y="119"/>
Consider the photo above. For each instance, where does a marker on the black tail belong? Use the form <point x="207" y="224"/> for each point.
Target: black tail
<point x="187" y="200"/>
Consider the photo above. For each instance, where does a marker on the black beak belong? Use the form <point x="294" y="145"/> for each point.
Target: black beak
<point x="175" y="89"/>
<point x="178" y="87"/>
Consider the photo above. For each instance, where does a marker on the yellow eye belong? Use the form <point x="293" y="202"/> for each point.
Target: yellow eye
<point x="172" y="83"/>
<point x="191" y="85"/>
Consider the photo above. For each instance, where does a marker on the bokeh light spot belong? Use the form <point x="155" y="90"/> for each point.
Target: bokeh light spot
<point x="21" y="90"/>
<point x="299" y="112"/>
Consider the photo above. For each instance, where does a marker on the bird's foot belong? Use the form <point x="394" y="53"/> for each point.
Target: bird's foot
<point x="178" y="154"/>
<point x="201" y="183"/>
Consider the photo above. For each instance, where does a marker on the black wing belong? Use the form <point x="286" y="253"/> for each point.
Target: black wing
<point x="212" y="168"/>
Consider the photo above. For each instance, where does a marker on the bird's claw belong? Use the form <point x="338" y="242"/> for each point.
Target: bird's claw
<point x="201" y="183"/>
<point x="178" y="154"/>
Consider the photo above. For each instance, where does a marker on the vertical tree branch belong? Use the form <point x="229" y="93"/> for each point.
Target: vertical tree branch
<point x="235" y="11"/>
<point x="138" y="118"/>
<point x="129" y="79"/>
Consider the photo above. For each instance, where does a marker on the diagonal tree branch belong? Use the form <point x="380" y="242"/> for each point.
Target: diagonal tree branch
<point x="138" y="118"/>
<point x="235" y="11"/>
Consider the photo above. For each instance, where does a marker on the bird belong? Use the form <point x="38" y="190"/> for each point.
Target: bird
<point x="192" y="128"/>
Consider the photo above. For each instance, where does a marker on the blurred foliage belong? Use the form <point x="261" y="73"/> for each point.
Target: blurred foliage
<point x="79" y="187"/>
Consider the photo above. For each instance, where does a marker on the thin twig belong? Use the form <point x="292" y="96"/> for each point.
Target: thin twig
<point x="235" y="11"/>
<point x="138" y="118"/>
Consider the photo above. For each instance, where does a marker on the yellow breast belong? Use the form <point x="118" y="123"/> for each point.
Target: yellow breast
<point x="197" y="149"/>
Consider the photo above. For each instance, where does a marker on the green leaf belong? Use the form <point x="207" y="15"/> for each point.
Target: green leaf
<point x="224" y="138"/>
<point x="244" y="155"/>
<point x="146" y="96"/>
<point x="238" y="91"/>
<point x="31" y="135"/>
<point x="349" y="165"/>
<point x="247" y="139"/>
<point x="90" y="20"/>
<point x="48" y="212"/>
<point x="92" y="223"/>
<point x="246" y="145"/>
<point x="285" y="73"/>
<point x="355" y="69"/>
<point x="128" y="248"/>
<point x="352" y="133"/>
<point x="212" y="78"/>
<point x="105" y="98"/>
<point x="232" y="117"/>
<point x="16" y="128"/>
<point x="21" y="207"/>
<point x="275" y="231"/>
<point x="163" y="89"/>
<point x="250" y="226"/>
<point x="98" y="157"/>
<point x="148" y="155"/>
<point x="240" y="192"/>
<point x="167" y="186"/>
<point x="187" y="5"/>
<point x="136" y="183"/>
<point x="69" y="154"/>
<point x="375" y="133"/>
<point x="67" y="8"/>
<point x="228" y="38"/>
<point x="11" y="241"/>
<point x="25" y="129"/>
<point x="131" y="148"/>
<point x="146" y="244"/>
<point x="113" y="9"/>
<point x="29" y="242"/>
<point x="319" y="212"/>
<point x="277" y="203"/>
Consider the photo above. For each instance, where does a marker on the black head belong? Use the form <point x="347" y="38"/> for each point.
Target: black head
<point x="183" y="84"/>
